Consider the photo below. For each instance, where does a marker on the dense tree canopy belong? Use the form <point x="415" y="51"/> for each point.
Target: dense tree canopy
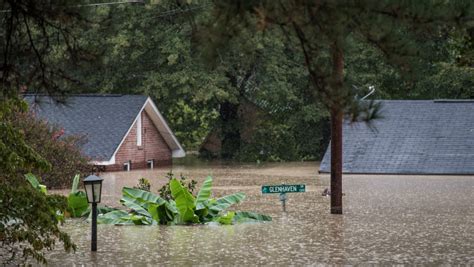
<point x="158" y="50"/>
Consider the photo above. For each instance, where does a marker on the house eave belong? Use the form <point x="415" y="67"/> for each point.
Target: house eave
<point x="111" y="161"/>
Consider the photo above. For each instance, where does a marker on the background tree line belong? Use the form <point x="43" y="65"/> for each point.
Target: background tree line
<point x="157" y="50"/>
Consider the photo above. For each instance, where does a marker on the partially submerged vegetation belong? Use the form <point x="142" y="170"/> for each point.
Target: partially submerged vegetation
<point x="147" y="208"/>
<point x="174" y="206"/>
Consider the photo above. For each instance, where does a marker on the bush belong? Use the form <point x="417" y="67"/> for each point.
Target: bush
<point x="143" y="184"/>
<point x="28" y="223"/>
<point x="28" y="218"/>
<point x="62" y="152"/>
<point x="165" y="190"/>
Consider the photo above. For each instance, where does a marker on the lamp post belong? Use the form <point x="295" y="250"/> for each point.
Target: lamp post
<point x="93" y="186"/>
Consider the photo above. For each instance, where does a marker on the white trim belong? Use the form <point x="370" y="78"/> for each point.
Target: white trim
<point x="139" y="130"/>
<point x="108" y="162"/>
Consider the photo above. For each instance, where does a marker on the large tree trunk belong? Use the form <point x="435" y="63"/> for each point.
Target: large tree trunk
<point x="337" y="116"/>
<point x="230" y="130"/>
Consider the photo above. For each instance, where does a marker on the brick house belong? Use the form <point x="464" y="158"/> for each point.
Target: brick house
<point x="122" y="132"/>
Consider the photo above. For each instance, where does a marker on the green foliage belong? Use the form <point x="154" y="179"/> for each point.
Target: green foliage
<point x="165" y="61"/>
<point x="185" y="202"/>
<point x="15" y="153"/>
<point x="29" y="223"/>
<point x="143" y="184"/>
<point x="227" y="219"/>
<point x="165" y="190"/>
<point x="184" y="208"/>
<point x="247" y="216"/>
<point x="35" y="183"/>
<point x="204" y="193"/>
<point x="28" y="217"/>
<point x="62" y="152"/>
<point x="77" y="200"/>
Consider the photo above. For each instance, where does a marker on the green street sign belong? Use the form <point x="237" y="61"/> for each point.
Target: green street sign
<point x="284" y="188"/>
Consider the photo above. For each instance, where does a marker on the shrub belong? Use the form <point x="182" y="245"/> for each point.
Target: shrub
<point x="29" y="223"/>
<point x="28" y="218"/>
<point x="143" y="184"/>
<point x="62" y="152"/>
<point x="165" y="190"/>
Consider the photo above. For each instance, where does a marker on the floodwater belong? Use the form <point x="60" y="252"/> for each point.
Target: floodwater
<point x="387" y="220"/>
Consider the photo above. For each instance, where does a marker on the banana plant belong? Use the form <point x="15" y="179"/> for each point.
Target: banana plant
<point x="147" y="208"/>
<point x="77" y="200"/>
<point x="35" y="183"/>
<point x="42" y="188"/>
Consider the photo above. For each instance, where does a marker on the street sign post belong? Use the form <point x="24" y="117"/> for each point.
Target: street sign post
<point x="282" y="190"/>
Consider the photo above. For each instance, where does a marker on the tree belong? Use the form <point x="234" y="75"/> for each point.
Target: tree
<point x="31" y="32"/>
<point x="322" y="28"/>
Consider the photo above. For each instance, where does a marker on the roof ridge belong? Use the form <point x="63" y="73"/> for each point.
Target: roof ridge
<point x="83" y="95"/>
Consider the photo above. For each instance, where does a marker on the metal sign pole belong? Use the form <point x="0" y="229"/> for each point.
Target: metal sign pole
<point x="283" y="201"/>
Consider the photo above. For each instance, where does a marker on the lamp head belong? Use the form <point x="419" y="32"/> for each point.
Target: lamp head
<point x="93" y="186"/>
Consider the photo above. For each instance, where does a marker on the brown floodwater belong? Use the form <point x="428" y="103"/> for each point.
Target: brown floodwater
<point x="387" y="220"/>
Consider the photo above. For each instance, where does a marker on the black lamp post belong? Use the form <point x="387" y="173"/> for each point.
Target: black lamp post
<point x="93" y="186"/>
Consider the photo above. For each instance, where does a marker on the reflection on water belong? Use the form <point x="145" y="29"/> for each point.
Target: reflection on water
<point x="387" y="220"/>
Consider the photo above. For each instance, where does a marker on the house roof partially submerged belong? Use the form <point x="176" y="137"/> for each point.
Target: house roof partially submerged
<point x="413" y="137"/>
<point x="104" y="120"/>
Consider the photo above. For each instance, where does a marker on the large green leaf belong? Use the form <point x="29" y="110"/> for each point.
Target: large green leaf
<point x="123" y="217"/>
<point x="35" y="183"/>
<point x="149" y="205"/>
<point x="161" y="214"/>
<point x="204" y="193"/>
<point x="185" y="202"/>
<point x="75" y="183"/>
<point x="77" y="203"/>
<point x="136" y="205"/>
<point x="32" y="179"/>
<point x="154" y="213"/>
<point x="225" y="202"/>
<point x="247" y="216"/>
<point x="101" y="210"/>
<point x="115" y="217"/>
<point x="141" y="197"/>
<point x="227" y="218"/>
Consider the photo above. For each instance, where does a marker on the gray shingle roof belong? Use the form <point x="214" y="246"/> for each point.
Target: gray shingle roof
<point x="413" y="137"/>
<point x="103" y="119"/>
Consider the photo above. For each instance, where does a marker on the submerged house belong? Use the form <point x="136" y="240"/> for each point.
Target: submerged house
<point x="412" y="137"/>
<point x="122" y="132"/>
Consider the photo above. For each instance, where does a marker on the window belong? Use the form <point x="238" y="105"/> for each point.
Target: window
<point x="127" y="166"/>
<point x="150" y="163"/>
<point x="139" y="130"/>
